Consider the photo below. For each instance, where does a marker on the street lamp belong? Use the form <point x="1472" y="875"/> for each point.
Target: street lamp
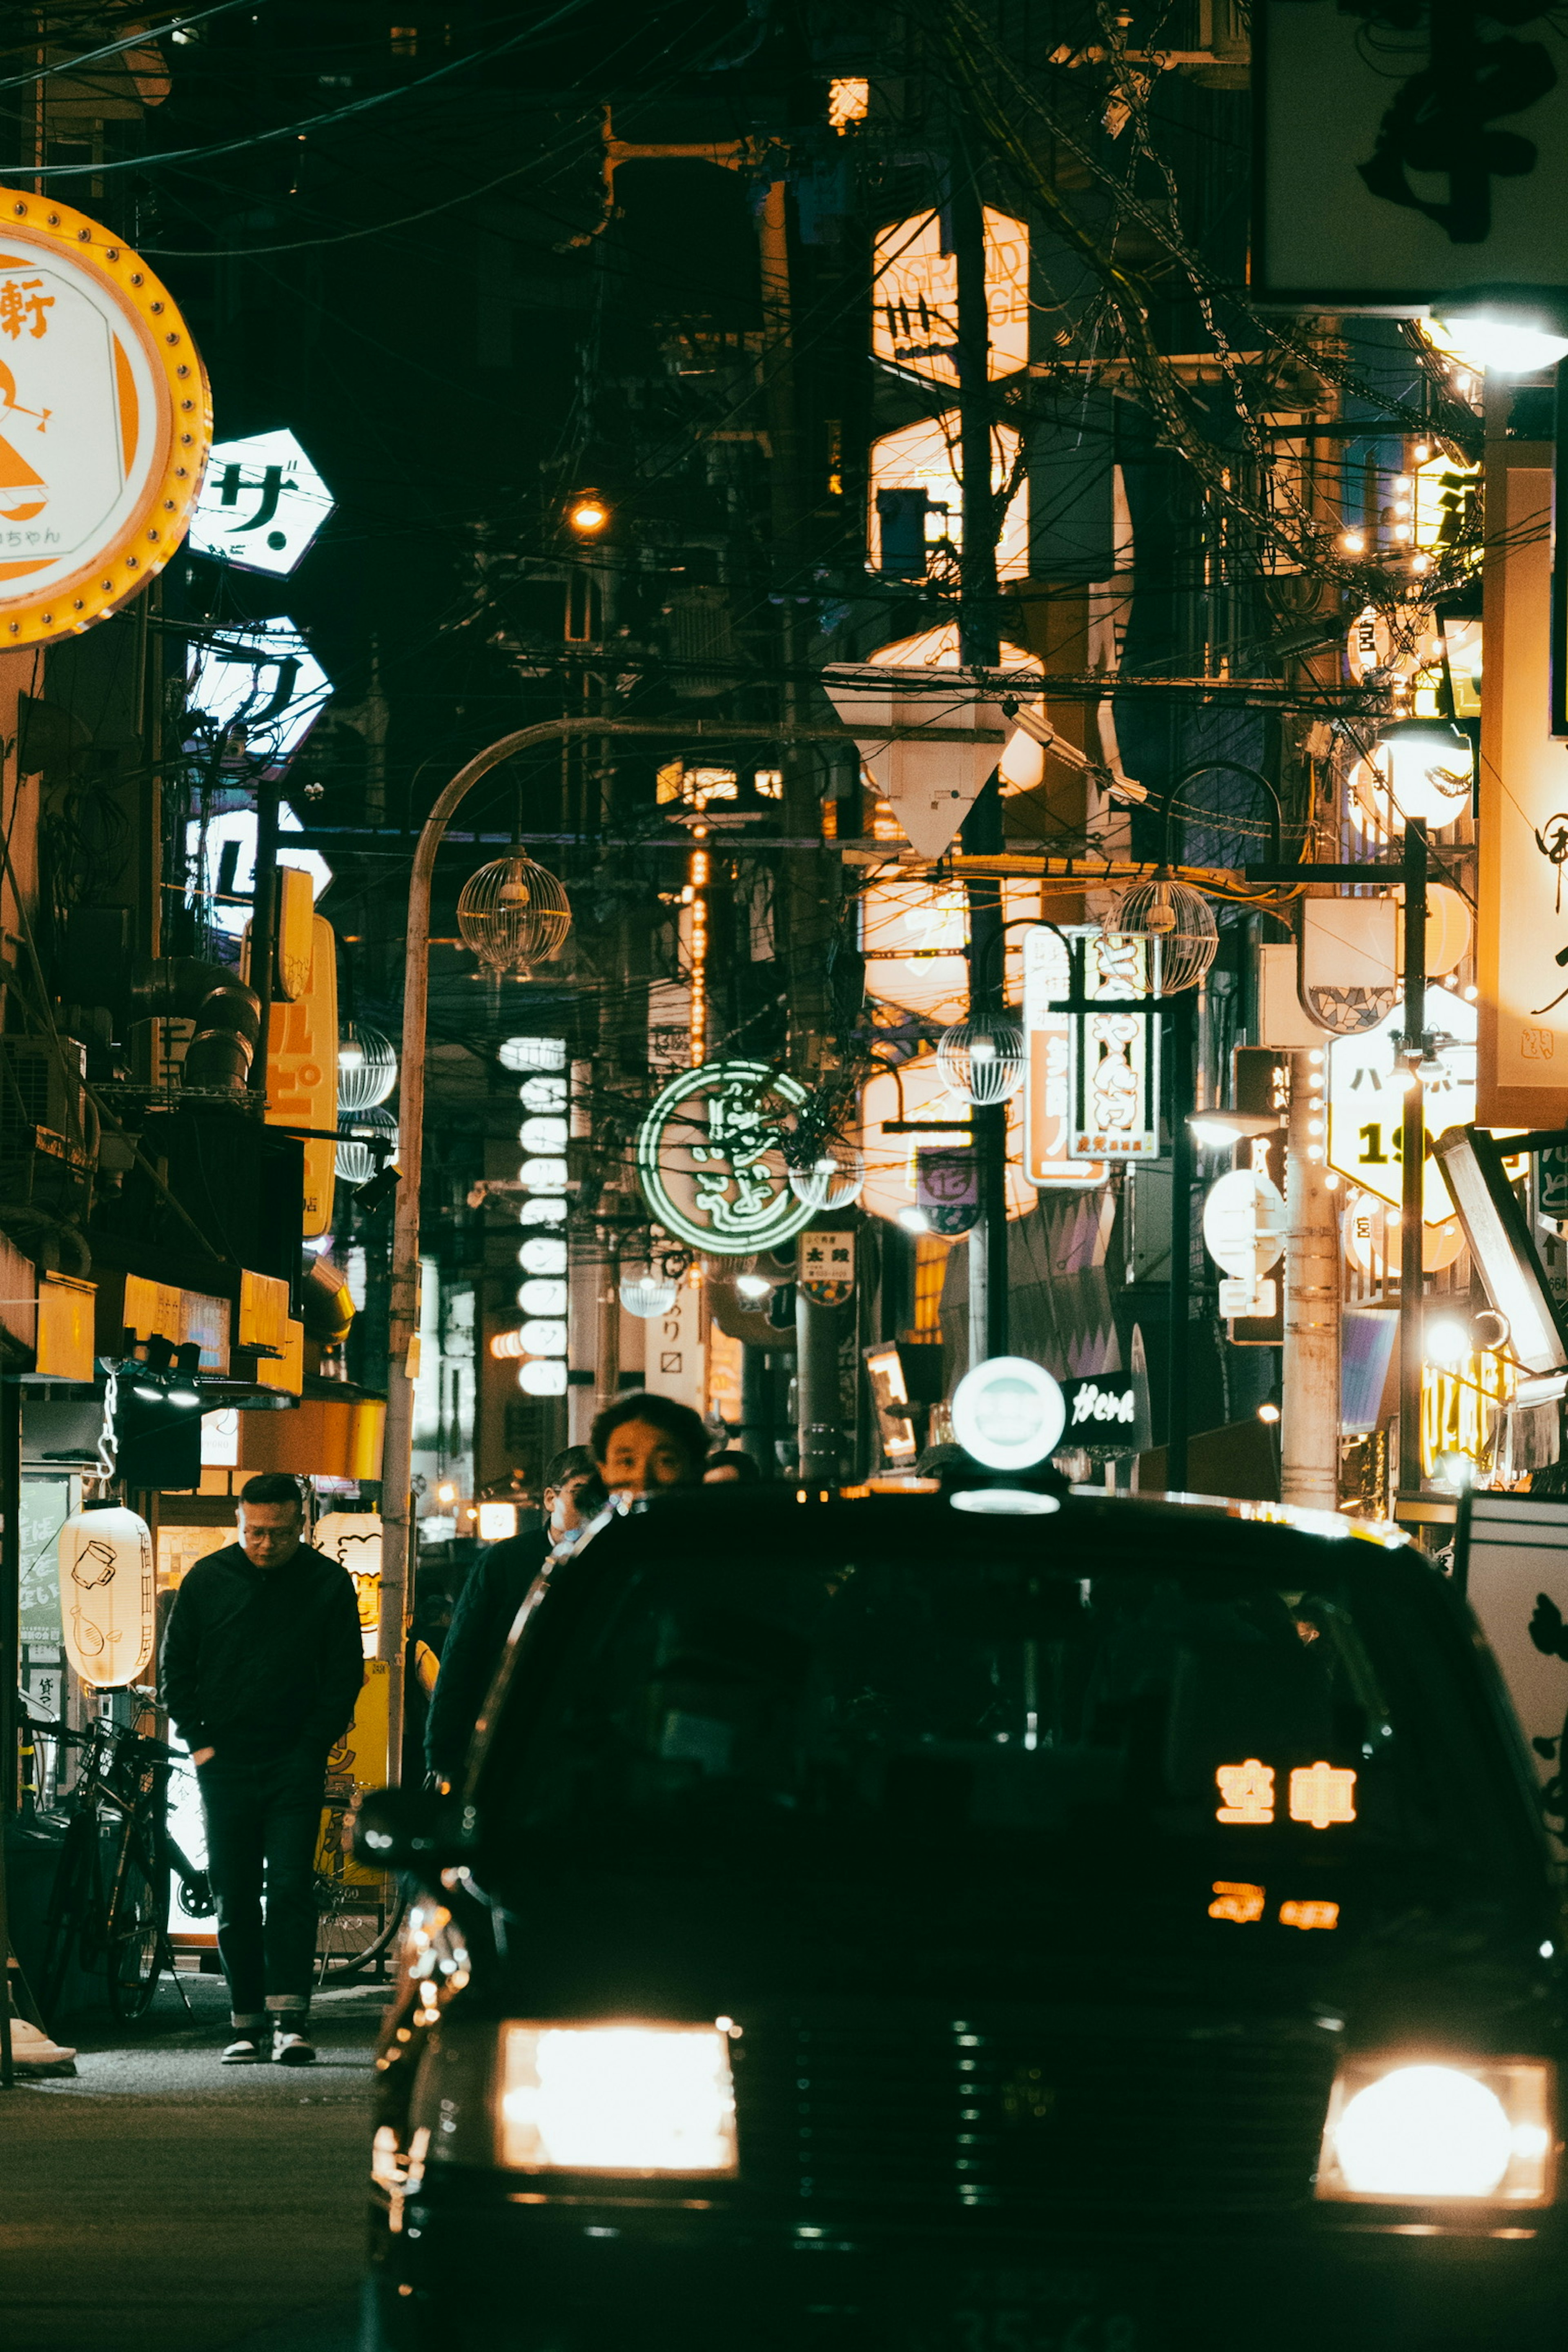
<point x="1510" y="329"/>
<point x="1430" y="769"/>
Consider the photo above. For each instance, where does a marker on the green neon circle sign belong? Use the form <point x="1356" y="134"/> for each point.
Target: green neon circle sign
<point x="710" y="1161"/>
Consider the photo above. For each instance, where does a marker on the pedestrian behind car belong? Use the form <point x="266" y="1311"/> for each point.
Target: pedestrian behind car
<point x="488" y="1605"/>
<point x="262" y="1664"/>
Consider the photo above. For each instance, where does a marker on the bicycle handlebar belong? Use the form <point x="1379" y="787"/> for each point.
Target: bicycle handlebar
<point x="156" y="1749"/>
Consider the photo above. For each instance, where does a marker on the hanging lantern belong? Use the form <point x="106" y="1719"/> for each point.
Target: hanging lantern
<point x="832" y="1182"/>
<point x="513" y="913"/>
<point x="1178" y="920"/>
<point x="367" y="1067"/>
<point x="648" y="1295"/>
<point x="357" y="1163"/>
<point x="107" y="1595"/>
<point x="982" y="1059"/>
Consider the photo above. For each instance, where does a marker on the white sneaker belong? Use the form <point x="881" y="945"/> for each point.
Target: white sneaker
<point x="31" y="2047"/>
<point x="293" y="2050"/>
<point x="245" y="2051"/>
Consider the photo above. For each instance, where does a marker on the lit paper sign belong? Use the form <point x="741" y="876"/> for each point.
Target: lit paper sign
<point x="261" y="689"/>
<point x="104" y="422"/>
<point x="826" y="1260"/>
<point x="1048" y="1068"/>
<point x="709" y="1161"/>
<point x="1114" y="1066"/>
<point x="303" y="1074"/>
<point x="353" y="1540"/>
<point x="1366" y="1103"/>
<point x="262" y="504"/>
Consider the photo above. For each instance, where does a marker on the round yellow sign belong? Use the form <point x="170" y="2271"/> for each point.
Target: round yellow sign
<point x="105" y="421"/>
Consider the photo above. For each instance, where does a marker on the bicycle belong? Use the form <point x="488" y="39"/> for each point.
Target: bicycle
<point x="123" y="1924"/>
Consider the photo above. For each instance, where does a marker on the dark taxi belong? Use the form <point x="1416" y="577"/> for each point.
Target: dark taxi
<point x="1075" y="1925"/>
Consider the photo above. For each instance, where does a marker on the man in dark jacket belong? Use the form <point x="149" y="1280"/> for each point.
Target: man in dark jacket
<point x="261" y="1667"/>
<point x="488" y="1603"/>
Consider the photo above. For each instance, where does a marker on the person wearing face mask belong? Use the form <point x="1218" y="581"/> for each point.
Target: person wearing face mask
<point x="488" y="1603"/>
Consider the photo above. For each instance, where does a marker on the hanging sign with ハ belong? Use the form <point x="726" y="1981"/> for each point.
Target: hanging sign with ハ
<point x="1366" y="1100"/>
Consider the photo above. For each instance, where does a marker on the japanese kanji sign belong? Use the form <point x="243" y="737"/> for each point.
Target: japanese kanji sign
<point x="1048" y="1073"/>
<point x="302" y="1072"/>
<point x="1113" y="1081"/>
<point x="1366" y="1100"/>
<point x="104" y="422"/>
<point x="1407" y="149"/>
<point x="825" y="1263"/>
<point x="711" y="1162"/>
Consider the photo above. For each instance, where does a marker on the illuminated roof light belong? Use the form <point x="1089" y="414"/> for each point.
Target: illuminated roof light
<point x="587" y="513"/>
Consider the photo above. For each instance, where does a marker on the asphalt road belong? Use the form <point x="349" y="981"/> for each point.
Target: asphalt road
<point x="160" y="2202"/>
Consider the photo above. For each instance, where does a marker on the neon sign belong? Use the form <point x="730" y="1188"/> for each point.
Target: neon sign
<point x="710" y="1158"/>
<point x="1321" y="1794"/>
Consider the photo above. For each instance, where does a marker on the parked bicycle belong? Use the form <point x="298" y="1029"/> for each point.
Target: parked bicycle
<point x="109" y="1900"/>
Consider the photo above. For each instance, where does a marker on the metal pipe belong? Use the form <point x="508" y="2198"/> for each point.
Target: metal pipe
<point x="397" y="1455"/>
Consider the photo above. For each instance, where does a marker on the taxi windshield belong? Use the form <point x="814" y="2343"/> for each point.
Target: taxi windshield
<point x="879" y="1712"/>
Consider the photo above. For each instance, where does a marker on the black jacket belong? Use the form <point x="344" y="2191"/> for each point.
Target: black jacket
<point x="263" y="1662"/>
<point x="480" y="1622"/>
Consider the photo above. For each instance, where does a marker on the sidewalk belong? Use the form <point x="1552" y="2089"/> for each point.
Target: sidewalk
<point x="160" y="2202"/>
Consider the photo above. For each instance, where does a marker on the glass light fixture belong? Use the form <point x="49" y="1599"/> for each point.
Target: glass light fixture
<point x="832" y="1182"/>
<point x="982" y="1059"/>
<point x="755" y="1286"/>
<point x="1180" y="921"/>
<point x="647" y="1295"/>
<point x="1429" y="769"/>
<point x="355" y="1163"/>
<point x="1508" y="335"/>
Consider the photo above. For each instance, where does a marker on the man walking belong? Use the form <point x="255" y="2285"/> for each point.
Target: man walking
<point x="262" y="1664"/>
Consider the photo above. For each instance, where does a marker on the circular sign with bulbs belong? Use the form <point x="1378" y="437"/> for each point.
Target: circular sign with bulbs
<point x="105" y="422"/>
<point x="710" y="1158"/>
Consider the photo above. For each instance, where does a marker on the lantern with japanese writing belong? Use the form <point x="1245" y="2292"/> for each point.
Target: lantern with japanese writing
<point x="107" y="1595"/>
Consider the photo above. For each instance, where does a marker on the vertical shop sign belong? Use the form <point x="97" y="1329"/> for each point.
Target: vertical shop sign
<point x="302" y="1072"/>
<point x="1048" y="1068"/>
<point x="1522" y="960"/>
<point x="1115" y="1061"/>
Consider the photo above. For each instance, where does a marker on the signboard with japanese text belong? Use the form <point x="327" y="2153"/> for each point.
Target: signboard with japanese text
<point x="1406" y="152"/>
<point x="947" y="1187"/>
<point x="1365" y="1101"/>
<point x="1047" y="1070"/>
<point x="105" y="420"/>
<point x="1521" y="908"/>
<point x="709" y="1159"/>
<point x="262" y="504"/>
<point x="676" y="1355"/>
<point x="302" y="1073"/>
<point x="825" y="1263"/>
<point x="1114" y="1069"/>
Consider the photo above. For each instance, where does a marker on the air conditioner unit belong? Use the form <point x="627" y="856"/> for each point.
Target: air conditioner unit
<point x="46" y="1126"/>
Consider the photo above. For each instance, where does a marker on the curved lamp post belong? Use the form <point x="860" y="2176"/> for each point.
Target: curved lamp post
<point x="397" y="1455"/>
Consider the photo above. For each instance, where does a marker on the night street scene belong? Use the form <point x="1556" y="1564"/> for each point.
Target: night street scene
<point x="784" y="1176"/>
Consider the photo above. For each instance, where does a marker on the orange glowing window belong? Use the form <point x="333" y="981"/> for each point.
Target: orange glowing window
<point x="1309" y="1915"/>
<point x="1235" y="1900"/>
<point x="1248" y="1792"/>
<point x="1322" y="1794"/>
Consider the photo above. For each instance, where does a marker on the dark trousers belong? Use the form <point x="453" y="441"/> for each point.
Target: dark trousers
<point x="263" y="1819"/>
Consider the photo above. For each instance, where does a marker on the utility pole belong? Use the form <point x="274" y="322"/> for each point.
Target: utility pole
<point x="980" y="649"/>
<point x="1310" y="1391"/>
<point x="1413" y="1171"/>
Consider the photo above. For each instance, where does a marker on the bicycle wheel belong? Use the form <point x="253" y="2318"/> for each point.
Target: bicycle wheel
<point x="138" y="1919"/>
<point x="74" y="1898"/>
<point x="352" y="1928"/>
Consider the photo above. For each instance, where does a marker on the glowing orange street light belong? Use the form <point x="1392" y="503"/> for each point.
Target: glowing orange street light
<point x="587" y="514"/>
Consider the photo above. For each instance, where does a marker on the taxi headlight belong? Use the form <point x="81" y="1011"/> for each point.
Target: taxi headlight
<point x="617" y="2098"/>
<point x="1421" y="2133"/>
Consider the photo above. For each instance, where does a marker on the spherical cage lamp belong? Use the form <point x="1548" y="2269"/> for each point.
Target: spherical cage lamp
<point x="982" y="1059"/>
<point x="1177" y="921"/>
<point x="367" y="1067"/>
<point x="1430" y="772"/>
<point x="513" y="913"/>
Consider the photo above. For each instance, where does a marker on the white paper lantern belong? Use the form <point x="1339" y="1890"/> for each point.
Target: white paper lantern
<point x="543" y="1134"/>
<point x="647" y="1295"/>
<point x="542" y="1376"/>
<point x="108" y="1595"/>
<point x="544" y="1338"/>
<point x="545" y="1253"/>
<point x="541" y="1295"/>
